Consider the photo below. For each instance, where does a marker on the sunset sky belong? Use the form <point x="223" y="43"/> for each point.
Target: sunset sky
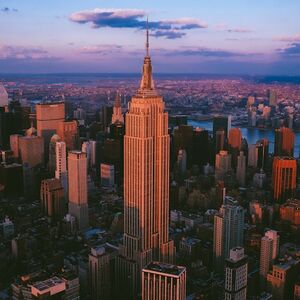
<point x="192" y="36"/>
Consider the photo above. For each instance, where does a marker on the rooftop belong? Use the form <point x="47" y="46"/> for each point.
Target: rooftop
<point x="165" y="268"/>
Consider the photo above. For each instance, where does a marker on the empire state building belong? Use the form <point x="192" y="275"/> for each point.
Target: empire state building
<point x="146" y="185"/>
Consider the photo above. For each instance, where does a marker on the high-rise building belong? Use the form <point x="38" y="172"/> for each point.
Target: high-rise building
<point x="221" y="122"/>
<point x="290" y="211"/>
<point x="163" y="281"/>
<point x="262" y="147"/>
<point x="101" y="276"/>
<point x="181" y="161"/>
<point x="31" y="149"/>
<point x="3" y="96"/>
<point x="282" y="277"/>
<point x="48" y="116"/>
<point x="241" y="169"/>
<point x="235" y="138"/>
<point x="284" y="142"/>
<point x="233" y="218"/>
<point x="68" y="132"/>
<point x="273" y="234"/>
<point x="236" y="275"/>
<point x="52" y="153"/>
<point x="252" y="156"/>
<point x="53" y="202"/>
<point x="222" y="164"/>
<point x="146" y="185"/>
<point x="284" y="178"/>
<point x="14" y="144"/>
<point x="78" y="194"/>
<point x="218" y="243"/>
<point x="266" y="250"/>
<point x="61" y="159"/>
<point x="107" y="175"/>
<point x="220" y="140"/>
<point x="117" y="116"/>
<point x="228" y="232"/>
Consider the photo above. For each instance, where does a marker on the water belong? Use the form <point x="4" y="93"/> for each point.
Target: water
<point x="252" y="135"/>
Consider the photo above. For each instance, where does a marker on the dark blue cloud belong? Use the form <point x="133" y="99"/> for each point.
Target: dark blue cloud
<point x="205" y="52"/>
<point x="7" y="9"/>
<point x="168" y="34"/>
<point x="132" y="18"/>
<point x="291" y="51"/>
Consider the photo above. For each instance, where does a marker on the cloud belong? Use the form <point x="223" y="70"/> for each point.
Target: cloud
<point x="135" y="18"/>
<point x="23" y="53"/>
<point x="168" y="34"/>
<point x="7" y="9"/>
<point x="101" y="49"/>
<point x="289" y="39"/>
<point x="293" y="50"/>
<point x="225" y="27"/>
<point x="204" y="52"/>
<point x="239" y="30"/>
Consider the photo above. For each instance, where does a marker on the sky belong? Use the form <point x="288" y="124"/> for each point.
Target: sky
<point x="253" y="37"/>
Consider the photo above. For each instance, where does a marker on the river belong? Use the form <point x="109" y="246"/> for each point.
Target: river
<point x="252" y="135"/>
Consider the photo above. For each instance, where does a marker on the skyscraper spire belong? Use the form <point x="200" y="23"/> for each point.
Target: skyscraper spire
<point x="147" y="39"/>
<point x="147" y="83"/>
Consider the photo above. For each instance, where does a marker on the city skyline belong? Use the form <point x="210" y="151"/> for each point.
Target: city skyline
<point x="236" y="38"/>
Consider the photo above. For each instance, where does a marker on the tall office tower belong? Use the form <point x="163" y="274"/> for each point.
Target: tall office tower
<point x="61" y="159"/>
<point x="86" y="148"/>
<point x="14" y="144"/>
<point x="222" y="164"/>
<point x="48" y="116"/>
<point x="241" y="169"/>
<point x="53" y="202"/>
<point x="252" y="156"/>
<point x="218" y="243"/>
<point x="163" y="281"/>
<point x="52" y="153"/>
<point x="31" y="149"/>
<point x="262" y="147"/>
<point x="93" y="149"/>
<point x="284" y="142"/>
<point x="146" y="184"/>
<point x="228" y="231"/>
<point x="181" y="161"/>
<point x="290" y="211"/>
<point x="183" y="139"/>
<point x="220" y="140"/>
<point x="235" y="138"/>
<point x="101" y="260"/>
<point x="236" y="275"/>
<point x="107" y="175"/>
<point x="268" y="252"/>
<point x="272" y="98"/>
<point x="68" y="132"/>
<point x="221" y="122"/>
<point x="3" y="96"/>
<point x="273" y="234"/>
<point x="117" y="116"/>
<point x="233" y="218"/>
<point x="78" y="196"/>
<point x="284" y="178"/>
<point x="201" y="153"/>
